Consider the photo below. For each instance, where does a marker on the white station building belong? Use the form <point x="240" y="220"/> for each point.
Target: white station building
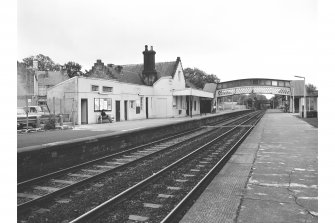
<point x="129" y="92"/>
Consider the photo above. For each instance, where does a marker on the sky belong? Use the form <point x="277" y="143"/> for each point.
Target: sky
<point x="231" y="39"/>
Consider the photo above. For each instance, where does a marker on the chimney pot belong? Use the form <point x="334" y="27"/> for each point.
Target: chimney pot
<point x="146" y="47"/>
<point x="151" y="48"/>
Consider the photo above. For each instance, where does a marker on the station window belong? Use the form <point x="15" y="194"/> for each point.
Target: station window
<point x="138" y="108"/>
<point x="287" y="84"/>
<point x="95" y="88"/>
<point x="107" y="89"/>
<point x="102" y="104"/>
<point x="281" y="83"/>
<point x="180" y="102"/>
<point x="132" y="104"/>
<point x="261" y="82"/>
<point x="255" y="82"/>
<point x="142" y="103"/>
<point x="274" y="83"/>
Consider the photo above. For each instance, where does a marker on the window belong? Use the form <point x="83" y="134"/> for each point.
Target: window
<point x="179" y="75"/>
<point x="174" y="101"/>
<point x="132" y="104"/>
<point x="195" y="105"/>
<point x="102" y="104"/>
<point x="107" y="89"/>
<point x="95" y="88"/>
<point x="274" y="83"/>
<point x="138" y="104"/>
<point x="281" y="83"/>
<point x="141" y="103"/>
<point x="179" y="102"/>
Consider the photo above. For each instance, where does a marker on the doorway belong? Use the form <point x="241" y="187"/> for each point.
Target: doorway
<point x="117" y="110"/>
<point x="187" y="105"/>
<point x="84" y="111"/>
<point x="125" y="110"/>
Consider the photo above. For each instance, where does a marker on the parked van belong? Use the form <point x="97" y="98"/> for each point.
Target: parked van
<point x="42" y="112"/>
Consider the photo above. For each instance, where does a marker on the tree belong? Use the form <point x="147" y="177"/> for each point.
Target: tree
<point x="73" y="69"/>
<point x="44" y="63"/>
<point x="311" y="89"/>
<point x="199" y="78"/>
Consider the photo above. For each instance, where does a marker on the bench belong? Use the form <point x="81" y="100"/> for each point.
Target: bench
<point x="105" y="119"/>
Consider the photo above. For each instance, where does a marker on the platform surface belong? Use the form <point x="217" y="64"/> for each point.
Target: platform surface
<point x="272" y="177"/>
<point x="82" y="131"/>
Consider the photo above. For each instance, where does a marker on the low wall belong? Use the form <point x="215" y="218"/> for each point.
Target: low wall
<point x="38" y="160"/>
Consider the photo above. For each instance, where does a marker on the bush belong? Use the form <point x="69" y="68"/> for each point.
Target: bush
<point x="51" y="123"/>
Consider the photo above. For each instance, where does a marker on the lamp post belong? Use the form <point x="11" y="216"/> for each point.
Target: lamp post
<point x="304" y="109"/>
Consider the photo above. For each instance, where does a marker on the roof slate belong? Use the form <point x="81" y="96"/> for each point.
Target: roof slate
<point x="210" y="87"/>
<point x="131" y="73"/>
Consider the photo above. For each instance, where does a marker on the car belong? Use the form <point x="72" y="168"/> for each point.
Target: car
<point x="42" y="112"/>
<point x="22" y="118"/>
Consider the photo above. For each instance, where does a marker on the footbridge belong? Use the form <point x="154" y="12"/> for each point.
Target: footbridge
<point x="254" y="85"/>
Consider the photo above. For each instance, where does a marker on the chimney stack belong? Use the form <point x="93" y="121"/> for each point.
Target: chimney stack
<point x="149" y="72"/>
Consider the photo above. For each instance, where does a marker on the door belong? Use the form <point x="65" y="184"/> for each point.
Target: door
<point x="117" y="110"/>
<point x="147" y="107"/>
<point x="125" y="110"/>
<point x="84" y="108"/>
<point x="187" y="105"/>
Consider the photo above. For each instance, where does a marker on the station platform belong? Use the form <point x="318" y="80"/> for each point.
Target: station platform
<point x="82" y="131"/>
<point x="272" y="177"/>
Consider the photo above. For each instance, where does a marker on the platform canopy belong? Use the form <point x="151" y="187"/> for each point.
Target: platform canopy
<point x="193" y="92"/>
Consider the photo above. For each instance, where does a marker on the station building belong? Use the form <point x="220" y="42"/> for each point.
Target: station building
<point x="128" y="92"/>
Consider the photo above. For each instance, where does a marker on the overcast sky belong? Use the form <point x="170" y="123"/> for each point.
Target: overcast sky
<point x="232" y="39"/>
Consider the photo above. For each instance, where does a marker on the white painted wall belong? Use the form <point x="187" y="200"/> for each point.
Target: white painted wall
<point x="161" y="103"/>
<point x="163" y="88"/>
<point x="121" y="92"/>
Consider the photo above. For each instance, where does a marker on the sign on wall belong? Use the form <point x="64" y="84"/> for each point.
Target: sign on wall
<point x="102" y="104"/>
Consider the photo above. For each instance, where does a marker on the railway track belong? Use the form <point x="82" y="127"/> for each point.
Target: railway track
<point x="36" y="192"/>
<point x="162" y="196"/>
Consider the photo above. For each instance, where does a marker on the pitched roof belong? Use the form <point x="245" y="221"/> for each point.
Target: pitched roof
<point x="210" y="87"/>
<point x="297" y="87"/>
<point x="131" y="73"/>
